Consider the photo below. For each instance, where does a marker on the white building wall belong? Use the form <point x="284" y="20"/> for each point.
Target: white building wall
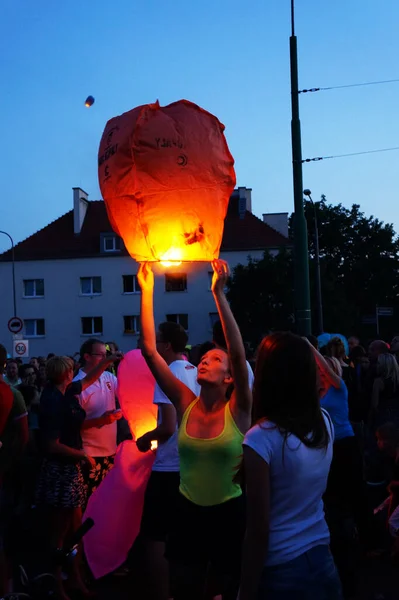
<point x="62" y="306"/>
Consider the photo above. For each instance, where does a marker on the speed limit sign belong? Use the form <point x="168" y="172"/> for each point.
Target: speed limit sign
<point x="21" y="348"/>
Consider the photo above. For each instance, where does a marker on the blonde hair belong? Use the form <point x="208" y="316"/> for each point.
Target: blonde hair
<point x="387" y="368"/>
<point x="57" y="369"/>
<point x="334" y="364"/>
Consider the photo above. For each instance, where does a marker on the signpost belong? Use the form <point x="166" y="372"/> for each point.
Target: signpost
<point x="369" y="320"/>
<point x="20" y="349"/>
<point x="382" y="311"/>
<point x="15" y="325"/>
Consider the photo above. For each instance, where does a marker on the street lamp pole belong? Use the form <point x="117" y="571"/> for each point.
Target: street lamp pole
<point x="302" y="291"/>
<point x="13" y="271"/>
<point x="319" y="299"/>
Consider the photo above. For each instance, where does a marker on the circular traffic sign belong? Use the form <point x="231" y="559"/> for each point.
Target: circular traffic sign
<point x="15" y="325"/>
<point x="20" y="348"/>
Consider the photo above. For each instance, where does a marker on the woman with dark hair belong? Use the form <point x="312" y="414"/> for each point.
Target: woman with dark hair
<point x="208" y="532"/>
<point x="287" y="457"/>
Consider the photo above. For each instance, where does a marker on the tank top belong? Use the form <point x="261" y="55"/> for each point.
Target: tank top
<point x="208" y="466"/>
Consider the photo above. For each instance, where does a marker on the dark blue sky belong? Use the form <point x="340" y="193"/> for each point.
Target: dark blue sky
<point x="230" y="57"/>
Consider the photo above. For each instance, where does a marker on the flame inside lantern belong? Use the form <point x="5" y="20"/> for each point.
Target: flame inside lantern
<point x="172" y="258"/>
<point x="89" y="101"/>
<point x="154" y="445"/>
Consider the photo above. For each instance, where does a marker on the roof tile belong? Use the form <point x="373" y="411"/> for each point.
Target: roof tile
<point x="58" y="241"/>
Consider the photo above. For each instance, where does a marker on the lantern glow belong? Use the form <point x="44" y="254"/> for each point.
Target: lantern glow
<point x="89" y="101"/>
<point x="166" y="175"/>
<point x="172" y="258"/>
<point x="154" y="445"/>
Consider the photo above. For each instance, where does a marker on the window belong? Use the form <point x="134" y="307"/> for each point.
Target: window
<point x="131" y="324"/>
<point x="130" y="284"/>
<point x="90" y="286"/>
<point x="34" y="328"/>
<point x="92" y="325"/>
<point x="213" y="318"/>
<point x="33" y="288"/>
<point x="111" y="243"/>
<point x="182" y="319"/>
<point x="176" y="282"/>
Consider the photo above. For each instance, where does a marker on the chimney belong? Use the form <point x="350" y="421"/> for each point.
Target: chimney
<point x="244" y="200"/>
<point x="80" y="204"/>
<point x="278" y="221"/>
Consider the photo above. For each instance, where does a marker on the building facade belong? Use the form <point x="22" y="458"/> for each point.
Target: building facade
<point x="74" y="279"/>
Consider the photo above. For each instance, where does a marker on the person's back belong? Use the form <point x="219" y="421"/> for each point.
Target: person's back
<point x="335" y="402"/>
<point x="287" y="457"/>
<point x="298" y="479"/>
<point x="389" y="394"/>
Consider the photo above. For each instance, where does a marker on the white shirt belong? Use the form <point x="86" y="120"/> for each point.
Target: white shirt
<point x="298" y="479"/>
<point x="167" y="458"/>
<point x="96" y="400"/>
<point x="250" y="376"/>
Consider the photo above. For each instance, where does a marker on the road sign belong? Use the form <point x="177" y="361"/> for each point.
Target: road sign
<point x="15" y="325"/>
<point x="20" y="349"/>
<point x="369" y="320"/>
<point x="385" y="311"/>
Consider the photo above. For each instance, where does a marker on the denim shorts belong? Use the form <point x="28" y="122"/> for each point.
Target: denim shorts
<point x="310" y="576"/>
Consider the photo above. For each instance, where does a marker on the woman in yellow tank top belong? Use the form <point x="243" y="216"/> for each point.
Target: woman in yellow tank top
<point x="210" y="516"/>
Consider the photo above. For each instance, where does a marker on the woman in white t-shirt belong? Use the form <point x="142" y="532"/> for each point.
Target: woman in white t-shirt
<point x="287" y="457"/>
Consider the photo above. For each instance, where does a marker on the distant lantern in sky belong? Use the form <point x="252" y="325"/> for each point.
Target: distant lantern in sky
<point x="89" y="101"/>
<point x="166" y="175"/>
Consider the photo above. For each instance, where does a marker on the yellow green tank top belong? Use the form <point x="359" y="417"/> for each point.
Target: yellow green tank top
<point x="208" y="466"/>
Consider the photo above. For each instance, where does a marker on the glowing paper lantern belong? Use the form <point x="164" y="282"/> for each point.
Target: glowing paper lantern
<point x="89" y="101"/>
<point x="166" y="175"/>
<point x="117" y="505"/>
<point x="135" y="393"/>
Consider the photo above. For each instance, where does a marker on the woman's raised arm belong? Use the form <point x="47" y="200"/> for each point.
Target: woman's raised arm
<point x="179" y="394"/>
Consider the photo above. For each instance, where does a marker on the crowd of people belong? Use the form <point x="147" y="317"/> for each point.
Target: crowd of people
<point x="263" y="484"/>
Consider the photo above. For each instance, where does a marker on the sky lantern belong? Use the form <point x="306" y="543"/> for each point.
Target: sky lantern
<point x="166" y="175"/>
<point x="116" y="506"/>
<point x="89" y="101"/>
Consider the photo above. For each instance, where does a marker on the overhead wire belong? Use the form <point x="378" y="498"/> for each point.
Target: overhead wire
<point x="318" y="158"/>
<point x="349" y="85"/>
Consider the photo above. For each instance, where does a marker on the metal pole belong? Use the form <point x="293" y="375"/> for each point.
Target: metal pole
<point x="13" y="271"/>
<point x="319" y="298"/>
<point x="377" y="320"/>
<point x="302" y="291"/>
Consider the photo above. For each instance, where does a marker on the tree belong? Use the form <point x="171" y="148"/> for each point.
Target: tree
<point x="359" y="259"/>
<point x="261" y="295"/>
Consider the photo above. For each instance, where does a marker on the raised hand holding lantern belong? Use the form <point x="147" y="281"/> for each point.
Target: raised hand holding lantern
<point x="166" y="175"/>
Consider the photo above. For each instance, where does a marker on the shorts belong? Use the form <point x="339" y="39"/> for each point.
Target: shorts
<point x="160" y="504"/>
<point x="208" y="535"/>
<point x="61" y="484"/>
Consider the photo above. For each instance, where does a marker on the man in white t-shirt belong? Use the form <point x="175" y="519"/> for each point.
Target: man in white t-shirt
<point x="163" y="487"/>
<point x="99" y="432"/>
<point x="220" y="342"/>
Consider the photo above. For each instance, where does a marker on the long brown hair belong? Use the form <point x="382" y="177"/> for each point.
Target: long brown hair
<point x="286" y="390"/>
